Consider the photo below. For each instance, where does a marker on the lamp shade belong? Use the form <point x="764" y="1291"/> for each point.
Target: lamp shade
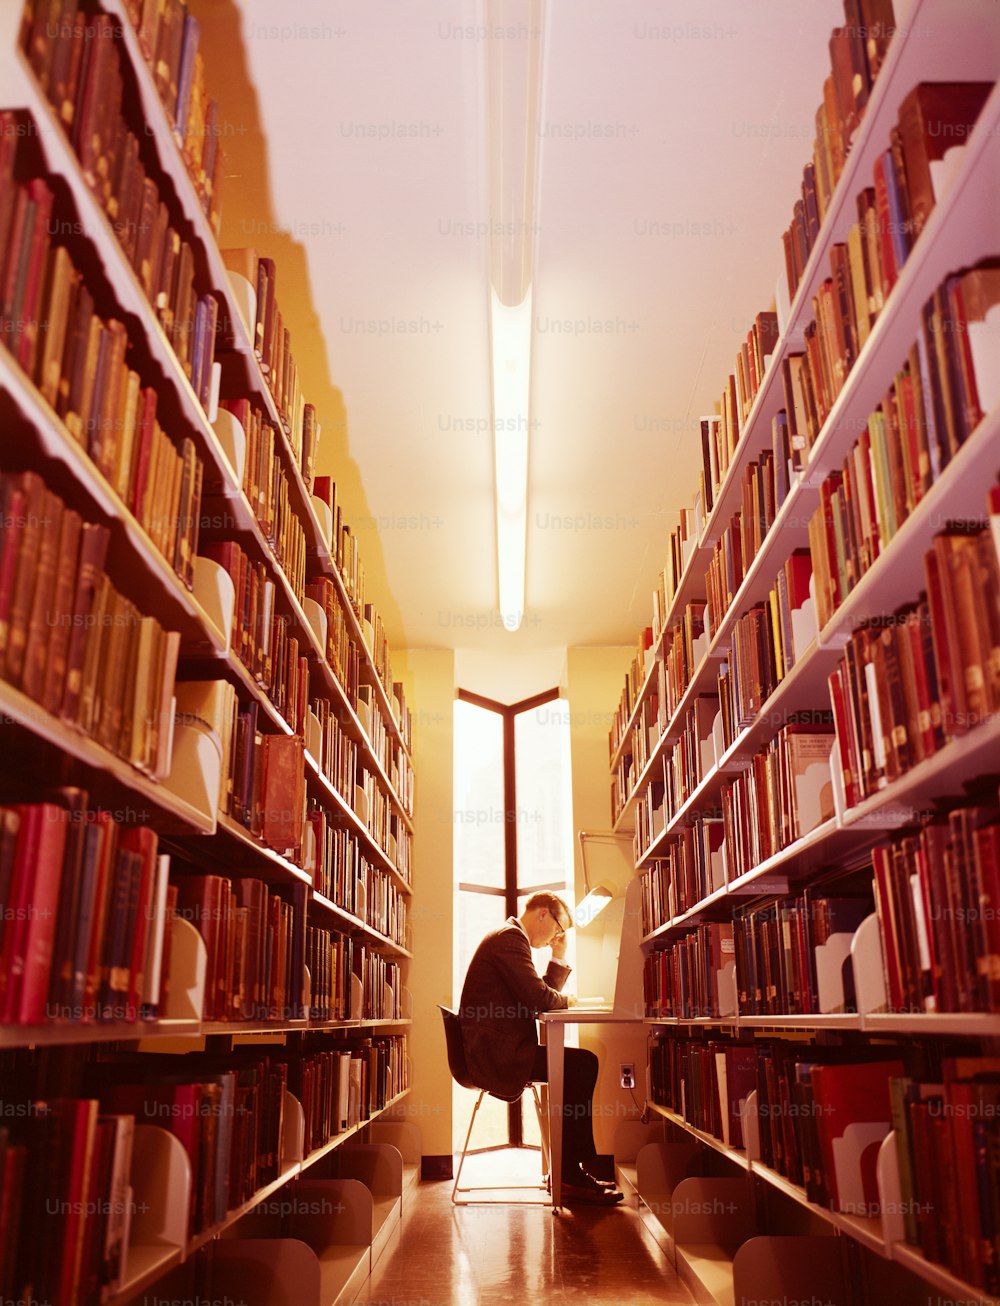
<point x="590" y="907"/>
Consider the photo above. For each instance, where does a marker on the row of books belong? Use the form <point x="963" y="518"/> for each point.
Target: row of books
<point x="262" y="776"/>
<point x="343" y="1087"/>
<point x="338" y="859"/>
<point x="70" y="641"/>
<point x="692" y="977"/>
<point x="68" y="1203"/>
<point x="720" y="434"/>
<point x="819" y="1109"/>
<point x="682" y="541"/>
<point x="342" y="653"/>
<point x="763" y="647"/>
<point x="857" y="52"/>
<point x="338" y="752"/>
<point x="864" y="269"/>
<point x="227" y="1111"/>
<point x="122" y="170"/>
<point x="168" y="37"/>
<point x="343" y="874"/>
<point x="381" y="984"/>
<point x="947" y="1128"/>
<point x="779" y="946"/>
<point x="330" y="959"/>
<point x="690" y="867"/>
<point x="635" y="678"/>
<point x="84" y="922"/>
<point x="272" y="342"/>
<point x="751" y="364"/>
<point x="255" y="941"/>
<point x="937" y="399"/>
<point x="912" y="682"/>
<point x="77" y="359"/>
<point x="938" y="901"/>
<point x="266" y="486"/>
<point x="395" y="760"/>
<point x="783" y="794"/>
<point x="260" y="638"/>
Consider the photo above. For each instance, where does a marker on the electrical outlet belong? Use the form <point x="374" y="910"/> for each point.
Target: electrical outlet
<point x="628" y="1075"/>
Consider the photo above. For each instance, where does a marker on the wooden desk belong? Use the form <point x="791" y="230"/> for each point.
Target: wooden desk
<point x="554" y="1037"/>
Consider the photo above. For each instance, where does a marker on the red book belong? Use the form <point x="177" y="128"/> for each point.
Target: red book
<point x="853" y="1117"/>
<point x="36" y="960"/>
<point x="284" y="784"/>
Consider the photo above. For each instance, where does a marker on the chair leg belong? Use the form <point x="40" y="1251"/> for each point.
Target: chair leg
<point x="543" y="1127"/>
<point x="465" y="1148"/>
<point x="485" y="1188"/>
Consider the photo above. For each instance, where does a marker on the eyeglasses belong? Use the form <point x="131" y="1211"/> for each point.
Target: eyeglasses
<point x="560" y="929"/>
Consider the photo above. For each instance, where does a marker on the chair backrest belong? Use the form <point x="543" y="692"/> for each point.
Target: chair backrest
<point x="456" y="1052"/>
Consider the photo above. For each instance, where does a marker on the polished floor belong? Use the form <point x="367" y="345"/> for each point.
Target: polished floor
<point x="516" y="1255"/>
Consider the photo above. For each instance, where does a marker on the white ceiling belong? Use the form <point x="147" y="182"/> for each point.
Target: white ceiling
<point x="672" y="138"/>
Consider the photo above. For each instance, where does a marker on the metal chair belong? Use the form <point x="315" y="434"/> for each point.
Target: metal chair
<point x="460" y="1074"/>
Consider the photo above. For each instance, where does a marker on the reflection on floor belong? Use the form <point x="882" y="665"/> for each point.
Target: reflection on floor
<point x="517" y="1255"/>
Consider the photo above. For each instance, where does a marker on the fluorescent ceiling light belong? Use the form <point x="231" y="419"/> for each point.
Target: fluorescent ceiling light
<point x="511" y="351"/>
<point x="514" y="76"/>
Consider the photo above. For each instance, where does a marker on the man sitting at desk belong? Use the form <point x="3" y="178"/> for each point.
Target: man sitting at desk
<point x="502" y="996"/>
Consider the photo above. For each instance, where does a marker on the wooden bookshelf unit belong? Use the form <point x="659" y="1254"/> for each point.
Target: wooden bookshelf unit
<point x="812" y="784"/>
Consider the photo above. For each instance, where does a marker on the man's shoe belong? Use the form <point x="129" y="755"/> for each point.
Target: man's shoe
<point x="580" y="1187"/>
<point x="605" y="1183"/>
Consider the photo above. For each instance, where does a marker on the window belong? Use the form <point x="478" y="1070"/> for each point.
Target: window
<point x="513" y="836"/>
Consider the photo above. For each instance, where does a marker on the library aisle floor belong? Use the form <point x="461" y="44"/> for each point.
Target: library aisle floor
<point x="518" y="1255"/>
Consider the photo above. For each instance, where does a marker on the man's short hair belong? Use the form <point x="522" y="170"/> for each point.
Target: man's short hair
<point x="556" y="906"/>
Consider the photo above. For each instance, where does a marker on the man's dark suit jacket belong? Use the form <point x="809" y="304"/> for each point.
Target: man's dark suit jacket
<point x="502" y="996"/>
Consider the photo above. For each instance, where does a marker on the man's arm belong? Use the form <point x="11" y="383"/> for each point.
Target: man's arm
<point x="512" y="958"/>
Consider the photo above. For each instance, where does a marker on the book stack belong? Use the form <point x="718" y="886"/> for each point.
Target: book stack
<point x="948" y="1135"/>
<point x="857" y="52"/>
<point x="266" y="486"/>
<point x="330" y="959"/>
<point x="255" y="943"/>
<point x="169" y="37"/>
<point x="780" y="797"/>
<point x="688" y="870"/>
<point x="891" y="216"/>
<point x="692" y="978"/>
<point x="85" y="913"/>
<point x="272" y="345"/>
<point x="937" y="891"/>
<point x="70" y="640"/>
<point x="65" y="1170"/>
<point x="228" y="1116"/>
<point x="935" y="402"/>
<point x="338" y="859"/>
<point x="341" y="650"/>
<point x="776" y="951"/>
<point x="82" y="74"/>
<point x="261" y="638"/>
<point x="909" y="684"/>
<point x="823" y="1113"/>
<point x="338" y="759"/>
<point x="752" y="360"/>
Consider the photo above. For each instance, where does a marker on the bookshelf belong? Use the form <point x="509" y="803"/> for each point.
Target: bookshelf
<point x="676" y="784"/>
<point x="151" y="901"/>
